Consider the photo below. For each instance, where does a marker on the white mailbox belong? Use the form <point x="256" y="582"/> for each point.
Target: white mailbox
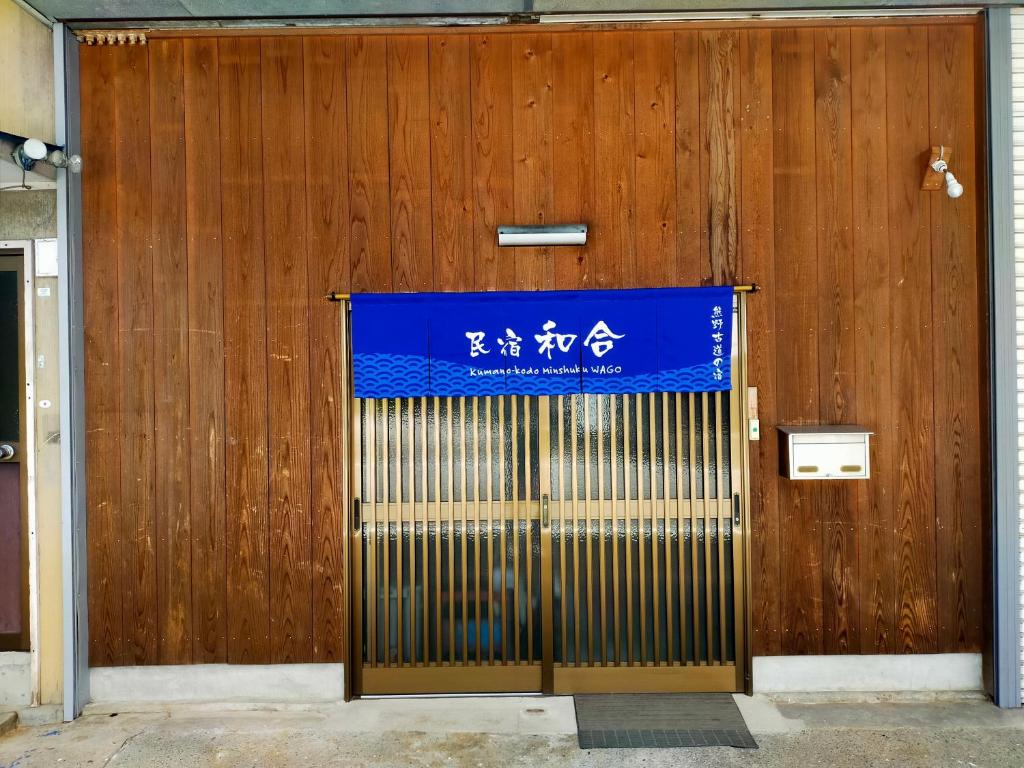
<point x="831" y="452"/>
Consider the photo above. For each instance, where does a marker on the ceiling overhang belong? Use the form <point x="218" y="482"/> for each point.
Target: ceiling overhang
<point x="322" y="12"/>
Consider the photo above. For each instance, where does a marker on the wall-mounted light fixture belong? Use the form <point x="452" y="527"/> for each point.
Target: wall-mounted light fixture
<point x="28" y="153"/>
<point x="543" y="234"/>
<point x="937" y="174"/>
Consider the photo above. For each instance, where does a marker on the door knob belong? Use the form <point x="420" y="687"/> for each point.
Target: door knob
<point x="6" y="451"/>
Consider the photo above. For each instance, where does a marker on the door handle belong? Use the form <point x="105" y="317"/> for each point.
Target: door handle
<point x="545" y="518"/>
<point x="6" y="451"/>
<point x="356" y="522"/>
<point x="735" y="509"/>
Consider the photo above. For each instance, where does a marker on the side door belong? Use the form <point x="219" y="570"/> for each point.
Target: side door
<point x="14" y="629"/>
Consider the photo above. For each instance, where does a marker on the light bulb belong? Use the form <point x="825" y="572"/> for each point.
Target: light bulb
<point x="34" y="149"/>
<point x="28" y="153"/>
<point x="953" y="187"/>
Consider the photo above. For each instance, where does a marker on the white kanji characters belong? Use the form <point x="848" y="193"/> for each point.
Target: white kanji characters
<point x="550" y="339"/>
<point x="718" y="348"/>
<point x="510" y="344"/>
<point x="476" y="343"/>
<point x="601" y="339"/>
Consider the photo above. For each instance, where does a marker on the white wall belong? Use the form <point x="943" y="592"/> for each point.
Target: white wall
<point x="1018" y="186"/>
<point x="892" y="673"/>
<point x="26" y="74"/>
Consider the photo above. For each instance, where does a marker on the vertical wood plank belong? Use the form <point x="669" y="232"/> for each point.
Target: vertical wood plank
<point x="873" y="341"/>
<point x="284" y="191"/>
<point x="718" y="156"/>
<point x="328" y="212"/>
<point x="135" y="336"/>
<point x="572" y="77"/>
<point x="956" y="308"/>
<point x="531" y="141"/>
<point x="170" y="352"/>
<point x="754" y="73"/>
<point x="837" y="335"/>
<point x="796" y="321"/>
<point x="687" y="268"/>
<point x="614" y="251"/>
<point x="368" y="180"/>
<point x="245" y="353"/>
<point x="655" y="162"/>
<point x="205" y="350"/>
<point x="493" y="202"/>
<point x="409" y="120"/>
<point x="912" y="337"/>
<point x="102" y="361"/>
<point x="451" y="163"/>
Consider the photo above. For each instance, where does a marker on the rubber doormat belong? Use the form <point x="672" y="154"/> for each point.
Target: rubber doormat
<point x="643" y="721"/>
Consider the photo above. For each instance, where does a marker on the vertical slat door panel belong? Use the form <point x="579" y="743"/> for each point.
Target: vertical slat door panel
<point x="652" y="571"/>
<point x="571" y="537"/>
<point x="450" y="492"/>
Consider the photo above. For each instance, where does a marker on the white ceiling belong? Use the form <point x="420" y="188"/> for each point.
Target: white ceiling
<point x="256" y="9"/>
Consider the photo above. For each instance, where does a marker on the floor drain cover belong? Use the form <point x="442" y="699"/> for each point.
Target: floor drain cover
<point x="635" y="721"/>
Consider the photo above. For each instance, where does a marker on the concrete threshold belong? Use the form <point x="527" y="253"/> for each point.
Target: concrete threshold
<point x="484" y="715"/>
<point x="556" y="715"/>
<point x="513" y="715"/>
<point x="508" y="732"/>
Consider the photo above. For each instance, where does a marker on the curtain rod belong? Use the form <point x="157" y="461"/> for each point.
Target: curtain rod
<point x="749" y="288"/>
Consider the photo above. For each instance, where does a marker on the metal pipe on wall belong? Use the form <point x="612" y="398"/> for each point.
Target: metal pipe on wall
<point x="750" y="288"/>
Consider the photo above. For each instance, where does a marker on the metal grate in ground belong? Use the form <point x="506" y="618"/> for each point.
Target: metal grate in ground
<point x="640" y="721"/>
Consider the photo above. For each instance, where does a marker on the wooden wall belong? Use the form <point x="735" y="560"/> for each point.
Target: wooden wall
<point x="232" y="181"/>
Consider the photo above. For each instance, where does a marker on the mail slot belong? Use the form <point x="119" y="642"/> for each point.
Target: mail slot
<point x="834" y="452"/>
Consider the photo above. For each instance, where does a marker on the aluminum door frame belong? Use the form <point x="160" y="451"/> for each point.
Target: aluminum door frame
<point x="438" y="679"/>
<point x="15" y="259"/>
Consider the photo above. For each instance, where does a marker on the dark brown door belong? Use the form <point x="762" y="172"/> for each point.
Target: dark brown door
<point x="14" y="635"/>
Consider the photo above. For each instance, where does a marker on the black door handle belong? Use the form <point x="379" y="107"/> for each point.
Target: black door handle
<point x="356" y="522"/>
<point x="735" y="509"/>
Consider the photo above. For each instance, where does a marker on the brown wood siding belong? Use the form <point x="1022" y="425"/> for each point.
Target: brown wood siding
<point x="233" y="181"/>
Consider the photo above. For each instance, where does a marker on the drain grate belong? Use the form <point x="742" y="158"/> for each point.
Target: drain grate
<point x="659" y="721"/>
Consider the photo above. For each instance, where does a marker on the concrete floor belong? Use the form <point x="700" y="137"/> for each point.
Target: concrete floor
<point x="509" y="732"/>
